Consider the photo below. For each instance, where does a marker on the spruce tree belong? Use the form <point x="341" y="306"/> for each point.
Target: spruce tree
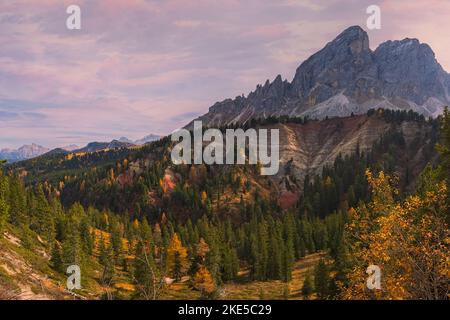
<point x="71" y="248"/>
<point x="56" y="258"/>
<point x="308" y="286"/>
<point x="289" y="250"/>
<point x="146" y="275"/>
<point x="43" y="219"/>
<point x="321" y="280"/>
<point x="108" y="266"/>
<point x="4" y="206"/>
<point x="17" y="201"/>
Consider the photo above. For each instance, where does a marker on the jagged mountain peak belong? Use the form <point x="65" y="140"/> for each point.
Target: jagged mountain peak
<point x="346" y="77"/>
<point x="352" y="35"/>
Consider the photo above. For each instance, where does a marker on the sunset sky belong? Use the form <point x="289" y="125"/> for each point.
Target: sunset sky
<point x="150" y="66"/>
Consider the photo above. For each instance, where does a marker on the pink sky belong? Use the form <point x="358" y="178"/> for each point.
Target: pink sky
<point x="150" y="66"/>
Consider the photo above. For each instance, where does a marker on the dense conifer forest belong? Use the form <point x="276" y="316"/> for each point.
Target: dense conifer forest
<point x="209" y="225"/>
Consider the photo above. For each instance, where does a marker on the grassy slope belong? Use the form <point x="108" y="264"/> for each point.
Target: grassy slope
<point x="253" y="290"/>
<point x="25" y="273"/>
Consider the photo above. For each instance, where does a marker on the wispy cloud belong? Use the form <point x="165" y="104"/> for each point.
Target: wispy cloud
<point x="142" y="66"/>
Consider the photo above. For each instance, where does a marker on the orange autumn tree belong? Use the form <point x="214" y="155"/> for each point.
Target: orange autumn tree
<point x="409" y="241"/>
<point x="177" y="258"/>
<point x="203" y="196"/>
<point x="202" y="250"/>
<point x="204" y="282"/>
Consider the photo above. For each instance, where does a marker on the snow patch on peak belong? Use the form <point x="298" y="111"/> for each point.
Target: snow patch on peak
<point x="334" y="107"/>
<point x="433" y="107"/>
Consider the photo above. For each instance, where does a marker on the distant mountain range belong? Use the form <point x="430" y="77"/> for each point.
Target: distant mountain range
<point x="31" y="151"/>
<point x="347" y="77"/>
<point x="139" y="142"/>
<point x="24" y="152"/>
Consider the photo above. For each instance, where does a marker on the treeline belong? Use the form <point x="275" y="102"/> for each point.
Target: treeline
<point x="406" y="237"/>
<point x="209" y="250"/>
<point x="106" y="181"/>
<point x="399" y="116"/>
<point x="144" y="229"/>
<point x="344" y="184"/>
<point x="203" y="190"/>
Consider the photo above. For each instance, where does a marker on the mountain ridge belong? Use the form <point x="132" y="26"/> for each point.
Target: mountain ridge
<point x="33" y="150"/>
<point x="23" y="153"/>
<point x="346" y="77"/>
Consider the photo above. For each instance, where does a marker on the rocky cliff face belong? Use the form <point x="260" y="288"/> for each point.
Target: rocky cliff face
<point x="306" y="148"/>
<point x="346" y="77"/>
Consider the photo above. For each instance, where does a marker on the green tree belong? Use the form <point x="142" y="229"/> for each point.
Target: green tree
<point x="321" y="280"/>
<point x="43" y="218"/>
<point x="4" y="206"/>
<point x="147" y="276"/>
<point x="71" y="247"/>
<point x="27" y="236"/>
<point x="108" y="266"/>
<point x="56" y="258"/>
<point x="308" y="286"/>
<point x="444" y="148"/>
<point x="289" y="249"/>
<point x="17" y="200"/>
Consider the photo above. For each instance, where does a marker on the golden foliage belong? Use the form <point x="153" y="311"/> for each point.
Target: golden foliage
<point x="202" y="249"/>
<point x="203" y="281"/>
<point x="203" y="196"/>
<point x="409" y="241"/>
<point x="177" y="257"/>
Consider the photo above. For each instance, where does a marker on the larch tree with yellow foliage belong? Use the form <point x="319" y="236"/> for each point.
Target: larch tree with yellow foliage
<point x="204" y="282"/>
<point x="177" y="258"/>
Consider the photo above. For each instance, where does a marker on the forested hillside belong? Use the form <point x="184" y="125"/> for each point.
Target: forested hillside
<point x="140" y="227"/>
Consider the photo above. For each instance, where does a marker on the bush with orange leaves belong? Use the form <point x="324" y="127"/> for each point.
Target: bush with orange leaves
<point x="409" y="241"/>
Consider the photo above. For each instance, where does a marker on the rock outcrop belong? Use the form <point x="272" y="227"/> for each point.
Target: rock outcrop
<point x="347" y="77"/>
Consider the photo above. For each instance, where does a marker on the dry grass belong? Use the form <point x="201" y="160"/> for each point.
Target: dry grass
<point x="273" y="289"/>
<point x="253" y="290"/>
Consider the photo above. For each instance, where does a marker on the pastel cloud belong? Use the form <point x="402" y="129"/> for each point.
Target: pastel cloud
<point x="141" y="66"/>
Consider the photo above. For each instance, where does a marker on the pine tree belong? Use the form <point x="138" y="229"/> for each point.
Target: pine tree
<point x="108" y="266"/>
<point x="56" y="258"/>
<point x="4" y="206"/>
<point x="289" y="250"/>
<point x="308" y="286"/>
<point x="71" y="248"/>
<point x="26" y="237"/>
<point x="102" y="251"/>
<point x="87" y="238"/>
<point x="230" y="264"/>
<point x="116" y="241"/>
<point x="275" y="263"/>
<point x="17" y="201"/>
<point x="146" y="275"/>
<point x="43" y="219"/>
<point x="321" y="280"/>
